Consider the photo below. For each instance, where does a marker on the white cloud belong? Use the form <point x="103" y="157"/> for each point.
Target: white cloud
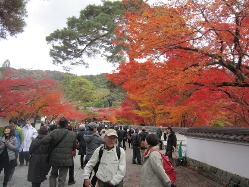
<point x="29" y="49"/>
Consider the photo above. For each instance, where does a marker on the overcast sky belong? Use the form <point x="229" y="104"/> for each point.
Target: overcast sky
<point x="29" y="49"/>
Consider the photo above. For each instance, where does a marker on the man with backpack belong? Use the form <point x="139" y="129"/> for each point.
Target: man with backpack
<point x="108" y="162"/>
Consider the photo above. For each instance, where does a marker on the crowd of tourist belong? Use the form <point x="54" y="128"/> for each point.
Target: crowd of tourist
<point x="101" y="146"/>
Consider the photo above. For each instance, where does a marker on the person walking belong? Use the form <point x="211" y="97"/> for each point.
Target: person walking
<point x="152" y="171"/>
<point x="125" y="138"/>
<point x="62" y="142"/>
<point x="8" y="147"/>
<point x="159" y="134"/>
<point x="93" y="141"/>
<point x="130" y="132"/>
<point x="38" y="165"/>
<point x="142" y="137"/>
<point x="136" y="148"/>
<point x="19" y="137"/>
<point x="120" y="132"/>
<point x="82" y="144"/>
<point x="30" y="133"/>
<point x="71" y="180"/>
<point x="171" y="143"/>
<point x="112" y="165"/>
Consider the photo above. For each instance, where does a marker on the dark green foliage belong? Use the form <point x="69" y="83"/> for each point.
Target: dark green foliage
<point x="12" y="14"/>
<point x="87" y="36"/>
<point x="107" y="94"/>
<point x="99" y="81"/>
<point x="78" y="89"/>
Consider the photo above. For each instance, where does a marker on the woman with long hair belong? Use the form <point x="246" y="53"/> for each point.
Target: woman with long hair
<point x="8" y="148"/>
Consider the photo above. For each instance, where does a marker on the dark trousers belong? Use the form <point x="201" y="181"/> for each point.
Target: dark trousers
<point x="23" y="156"/>
<point x="7" y="170"/>
<point x="119" y="143"/>
<point x="168" y="152"/>
<point x="129" y="144"/>
<point x="136" y="154"/>
<point x="71" y="173"/>
<point x="36" y="184"/>
<point x="124" y="146"/>
<point x="13" y="168"/>
<point x="82" y="164"/>
<point x="160" y="145"/>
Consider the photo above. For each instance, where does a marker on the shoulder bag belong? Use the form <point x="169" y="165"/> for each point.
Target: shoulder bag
<point x="55" y="145"/>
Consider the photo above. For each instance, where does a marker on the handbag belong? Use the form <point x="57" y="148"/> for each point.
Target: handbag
<point x="143" y="145"/>
<point x="175" y="154"/>
<point x="55" y="145"/>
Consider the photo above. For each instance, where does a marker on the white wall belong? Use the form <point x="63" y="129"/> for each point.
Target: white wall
<point x="228" y="156"/>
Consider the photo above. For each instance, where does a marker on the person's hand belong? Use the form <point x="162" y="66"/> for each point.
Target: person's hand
<point x="7" y="142"/>
<point x="174" y="149"/>
<point x="87" y="182"/>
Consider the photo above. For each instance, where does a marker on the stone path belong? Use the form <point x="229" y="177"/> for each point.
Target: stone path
<point x="185" y="176"/>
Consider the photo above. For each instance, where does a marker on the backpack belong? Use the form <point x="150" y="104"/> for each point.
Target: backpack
<point x="168" y="168"/>
<point x="101" y="150"/>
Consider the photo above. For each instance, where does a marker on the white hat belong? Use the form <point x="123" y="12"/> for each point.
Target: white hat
<point x="111" y="132"/>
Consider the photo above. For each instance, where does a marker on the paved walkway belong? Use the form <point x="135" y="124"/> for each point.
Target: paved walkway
<point x="185" y="176"/>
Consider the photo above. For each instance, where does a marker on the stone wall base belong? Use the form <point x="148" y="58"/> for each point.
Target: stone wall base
<point x="216" y="174"/>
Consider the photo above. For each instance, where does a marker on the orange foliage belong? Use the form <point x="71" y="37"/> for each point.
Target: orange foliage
<point x="25" y="98"/>
<point x="188" y="63"/>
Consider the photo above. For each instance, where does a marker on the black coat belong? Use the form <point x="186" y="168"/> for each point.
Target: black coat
<point x="171" y="141"/>
<point x="120" y="133"/>
<point x="38" y="166"/>
<point x="82" y="143"/>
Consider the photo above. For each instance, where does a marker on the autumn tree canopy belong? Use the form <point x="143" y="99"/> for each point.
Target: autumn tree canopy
<point x="26" y="97"/>
<point x="193" y="61"/>
<point x="187" y="60"/>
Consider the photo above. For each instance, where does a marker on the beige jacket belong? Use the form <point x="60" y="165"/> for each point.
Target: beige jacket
<point x="152" y="172"/>
<point x="111" y="169"/>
